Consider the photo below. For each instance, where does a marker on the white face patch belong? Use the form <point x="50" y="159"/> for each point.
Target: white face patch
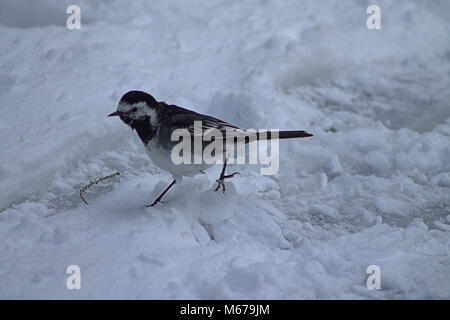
<point x="142" y="110"/>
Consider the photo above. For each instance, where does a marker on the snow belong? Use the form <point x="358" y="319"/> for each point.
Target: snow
<point x="372" y="187"/>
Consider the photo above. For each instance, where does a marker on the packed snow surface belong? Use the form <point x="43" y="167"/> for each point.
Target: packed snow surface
<point x="372" y="187"/>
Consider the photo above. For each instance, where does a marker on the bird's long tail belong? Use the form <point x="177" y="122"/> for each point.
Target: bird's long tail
<point x="285" y="135"/>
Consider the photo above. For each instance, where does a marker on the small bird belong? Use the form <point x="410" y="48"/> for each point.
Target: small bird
<point x="154" y="122"/>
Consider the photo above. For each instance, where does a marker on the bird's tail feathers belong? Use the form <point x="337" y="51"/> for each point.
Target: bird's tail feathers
<point x="285" y="135"/>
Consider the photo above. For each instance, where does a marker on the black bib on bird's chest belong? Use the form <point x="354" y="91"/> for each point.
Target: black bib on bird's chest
<point x="143" y="128"/>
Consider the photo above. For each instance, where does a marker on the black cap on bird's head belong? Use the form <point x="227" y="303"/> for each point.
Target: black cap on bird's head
<point x="132" y="97"/>
<point x="136" y="105"/>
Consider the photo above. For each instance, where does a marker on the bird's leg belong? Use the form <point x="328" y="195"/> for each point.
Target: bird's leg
<point x="162" y="194"/>
<point x="223" y="176"/>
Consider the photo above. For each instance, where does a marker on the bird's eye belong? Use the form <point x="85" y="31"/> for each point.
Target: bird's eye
<point x="134" y="109"/>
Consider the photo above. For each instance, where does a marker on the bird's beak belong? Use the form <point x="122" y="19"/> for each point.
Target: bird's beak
<point x="114" y="114"/>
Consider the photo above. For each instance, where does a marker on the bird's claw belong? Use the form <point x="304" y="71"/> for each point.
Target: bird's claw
<point x="221" y="181"/>
<point x="154" y="203"/>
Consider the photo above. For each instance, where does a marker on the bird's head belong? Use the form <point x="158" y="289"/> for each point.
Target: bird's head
<point x="135" y="107"/>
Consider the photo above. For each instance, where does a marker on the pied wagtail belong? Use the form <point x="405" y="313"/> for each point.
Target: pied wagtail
<point x="154" y="123"/>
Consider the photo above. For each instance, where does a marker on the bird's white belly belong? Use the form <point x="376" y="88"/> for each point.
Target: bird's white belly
<point x="162" y="158"/>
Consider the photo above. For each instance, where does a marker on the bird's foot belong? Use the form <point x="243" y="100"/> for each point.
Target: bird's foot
<point x="221" y="181"/>
<point x="161" y="195"/>
<point x="154" y="203"/>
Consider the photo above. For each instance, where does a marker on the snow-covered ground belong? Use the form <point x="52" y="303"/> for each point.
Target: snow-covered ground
<point x="372" y="187"/>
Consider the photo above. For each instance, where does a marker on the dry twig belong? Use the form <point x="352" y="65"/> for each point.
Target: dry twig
<point x="84" y="189"/>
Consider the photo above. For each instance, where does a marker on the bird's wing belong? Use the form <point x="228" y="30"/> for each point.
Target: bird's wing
<point x="184" y="118"/>
<point x="178" y="117"/>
